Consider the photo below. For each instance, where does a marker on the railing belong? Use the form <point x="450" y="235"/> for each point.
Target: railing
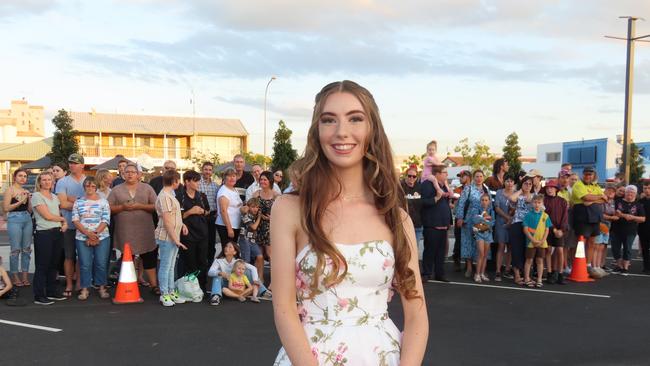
<point x="154" y="152"/>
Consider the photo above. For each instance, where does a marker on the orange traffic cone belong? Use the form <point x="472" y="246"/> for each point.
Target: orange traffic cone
<point x="579" y="267"/>
<point x="127" y="288"/>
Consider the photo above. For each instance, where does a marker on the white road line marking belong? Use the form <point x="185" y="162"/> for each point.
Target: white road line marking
<point x="523" y="289"/>
<point x="636" y="275"/>
<point x="33" y="326"/>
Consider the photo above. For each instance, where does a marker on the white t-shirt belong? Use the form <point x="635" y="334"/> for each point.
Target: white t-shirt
<point x="234" y="203"/>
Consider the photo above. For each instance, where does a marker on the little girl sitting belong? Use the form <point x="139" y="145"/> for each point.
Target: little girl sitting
<point x="238" y="285"/>
<point x="220" y="272"/>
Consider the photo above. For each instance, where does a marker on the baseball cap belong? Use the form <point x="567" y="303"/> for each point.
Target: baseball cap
<point x="76" y="158"/>
<point x="535" y="173"/>
<point x="564" y="173"/>
<point x="588" y="169"/>
<point x="464" y="172"/>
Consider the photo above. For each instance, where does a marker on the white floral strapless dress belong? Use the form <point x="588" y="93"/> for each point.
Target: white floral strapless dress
<point x="348" y="324"/>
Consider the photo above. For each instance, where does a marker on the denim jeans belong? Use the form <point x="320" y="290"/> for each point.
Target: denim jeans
<point x="419" y="240"/>
<point x="219" y="282"/>
<point x="621" y="240"/>
<point x="92" y="262"/>
<point x="167" y="253"/>
<point x="248" y="251"/>
<point x="19" y="228"/>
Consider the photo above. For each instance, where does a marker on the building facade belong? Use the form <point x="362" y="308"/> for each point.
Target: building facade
<point x="151" y="140"/>
<point x="22" y="123"/>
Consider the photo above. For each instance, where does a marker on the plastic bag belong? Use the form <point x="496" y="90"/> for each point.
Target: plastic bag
<point x="188" y="287"/>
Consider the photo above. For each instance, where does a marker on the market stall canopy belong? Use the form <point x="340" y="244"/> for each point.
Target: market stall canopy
<point x="111" y="164"/>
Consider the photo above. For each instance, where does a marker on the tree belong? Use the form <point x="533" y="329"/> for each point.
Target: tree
<point x="251" y="159"/>
<point x="200" y="157"/>
<point x="412" y="160"/>
<point x="65" y="138"/>
<point x="512" y="152"/>
<point x="283" y="152"/>
<point x="477" y="156"/>
<point x="637" y="168"/>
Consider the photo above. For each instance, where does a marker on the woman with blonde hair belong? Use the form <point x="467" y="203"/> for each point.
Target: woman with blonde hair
<point x="346" y="243"/>
<point x="48" y="240"/>
<point x="104" y="179"/>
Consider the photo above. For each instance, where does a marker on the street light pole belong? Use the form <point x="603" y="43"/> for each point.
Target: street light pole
<point x="266" y="92"/>
<point x="629" y="85"/>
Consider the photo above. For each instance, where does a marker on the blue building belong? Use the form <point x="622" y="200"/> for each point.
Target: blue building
<point x="602" y="154"/>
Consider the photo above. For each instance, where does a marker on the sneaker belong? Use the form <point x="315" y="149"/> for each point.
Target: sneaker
<point x="56" y="297"/>
<point x="215" y="300"/>
<point x="567" y="271"/>
<point x="624" y="272"/>
<point x="552" y="278"/>
<point x="166" y="300"/>
<point x="477" y="278"/>
<point x="485" y="278"/>
<point x="606" y="268"/>
<point x="509" y="275"/>
<point x="497" y="277"/>
<point x="176" y="298"/>
<point x="560" y="279"/>
<point x="602" y="272"/>
<point x="255" y="299"/>
<point x="43" y="301"/>
<point x="617" y="270"/>
<point x="468" y="273"/>
<point x="267" y="295"/>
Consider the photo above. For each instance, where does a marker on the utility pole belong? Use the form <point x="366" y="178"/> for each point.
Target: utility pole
<point x="629" y="84"/>
<point x="266" y="93"/>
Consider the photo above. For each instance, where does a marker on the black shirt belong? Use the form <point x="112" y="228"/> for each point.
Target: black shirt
<point x="434" y="214"/>
<point x="197" y="225"/>
<point x="623" y="226"/>
<point x="414" y="204"/>
<point x="243" y="183"/>
<point x="644" y="227"/>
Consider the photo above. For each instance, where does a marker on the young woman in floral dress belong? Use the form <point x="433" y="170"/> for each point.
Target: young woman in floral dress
<point x="347" y="243"/>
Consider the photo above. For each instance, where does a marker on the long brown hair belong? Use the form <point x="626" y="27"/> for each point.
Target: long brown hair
<point x="318" y="186"/>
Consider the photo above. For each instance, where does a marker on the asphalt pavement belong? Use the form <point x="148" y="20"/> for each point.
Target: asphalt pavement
<point x="601" y="323"/>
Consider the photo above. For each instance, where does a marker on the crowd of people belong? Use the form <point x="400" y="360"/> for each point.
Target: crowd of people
<point x="530" y="226"/>
<point x="173" y="225"/>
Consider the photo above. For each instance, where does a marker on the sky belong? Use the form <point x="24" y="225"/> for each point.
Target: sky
<point x="443" y="70"/>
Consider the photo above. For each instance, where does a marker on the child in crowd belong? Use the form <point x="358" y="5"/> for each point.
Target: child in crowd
<point x="536" y="227"/>
<point x="429" y="162"/>
<point x="557" y="209"/>
<point x="247" y="242"/>
<point x="238" y="284"/>
<point x="482" y="226"/>
<point x="596" y="269"/>
<point x="5" y="283"/>
<point x="223" y="266"/>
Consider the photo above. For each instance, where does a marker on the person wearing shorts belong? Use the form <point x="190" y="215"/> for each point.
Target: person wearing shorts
<point x="587" y="198"/>
<point x="536" y="225"/>
<point x="68" y="189"/>
<point x="609" y="216"/>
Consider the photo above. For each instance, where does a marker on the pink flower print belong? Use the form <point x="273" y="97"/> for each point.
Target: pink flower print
<point x="302" y="312"/>
<point x="387" y="263"/>
<point x="314" y="351"/>
<point x="339" y="357"/>
<point x="343" y="303"/>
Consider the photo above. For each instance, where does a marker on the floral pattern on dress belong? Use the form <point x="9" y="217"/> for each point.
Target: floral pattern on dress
<point x="348" y="323"/>
<point x="263" y="230"/>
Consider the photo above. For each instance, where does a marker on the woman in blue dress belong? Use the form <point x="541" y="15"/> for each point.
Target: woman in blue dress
<point x="468" y="206"/>
<point x="503" y="221"/>
<point x="521" y="201"/>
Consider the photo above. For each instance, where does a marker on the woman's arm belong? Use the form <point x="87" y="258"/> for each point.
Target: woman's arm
<point x="223" y="211"/>
<point x="253" y="226"/>
<point x="416" y="320"/>
<point x="284" y="227"/>
<point x="6" y="199"/>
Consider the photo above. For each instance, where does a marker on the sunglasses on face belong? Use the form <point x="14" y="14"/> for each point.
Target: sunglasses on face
<point x="412" y="176"/>
<point x="278" y="175"/>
